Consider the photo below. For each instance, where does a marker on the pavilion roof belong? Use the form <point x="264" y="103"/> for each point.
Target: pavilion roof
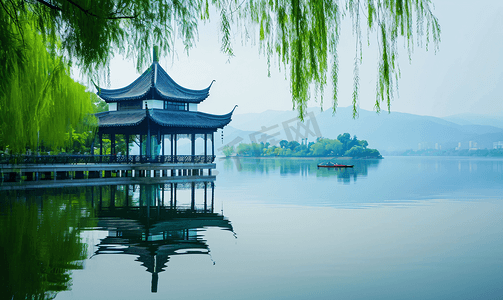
<point x="165" y="118"/>
<point x="155" y="84"/>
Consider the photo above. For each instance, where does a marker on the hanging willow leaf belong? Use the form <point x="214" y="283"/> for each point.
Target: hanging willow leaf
<point x="303" y="35"/>
<point x="40" y="101"/>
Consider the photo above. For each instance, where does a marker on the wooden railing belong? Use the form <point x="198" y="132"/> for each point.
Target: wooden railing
<point x="103" y="159"/>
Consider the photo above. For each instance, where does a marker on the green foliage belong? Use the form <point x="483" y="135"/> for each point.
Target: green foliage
<point x="363" y="143"/>
<point x="79" y="142"/>
<point x="228" y="150"/>
<point x="41" y="244"/>
<point x="99" y="105"/>
<point x="252" y="149"/>
<point x="39" y="102"/>
<point x="300" y="35"/>
<point x="292" y="145"/>
<point x="342" y="146"/>
<point x="304" y="35"/>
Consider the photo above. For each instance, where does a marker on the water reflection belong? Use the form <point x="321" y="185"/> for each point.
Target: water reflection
<point x="41" y="241"/>
<point x="150" y="222"/>
<point x="301" y="166"/>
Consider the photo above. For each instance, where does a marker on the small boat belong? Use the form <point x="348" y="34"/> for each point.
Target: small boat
<point x="333" y="165"/>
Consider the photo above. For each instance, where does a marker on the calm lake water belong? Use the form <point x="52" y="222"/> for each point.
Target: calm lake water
<point x="397" y="228"/>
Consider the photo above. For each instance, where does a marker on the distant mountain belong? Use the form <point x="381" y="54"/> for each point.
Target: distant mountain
<point x="474" y="119"/>
<point x="252" y="121"/>
<point x="385" y="131"/>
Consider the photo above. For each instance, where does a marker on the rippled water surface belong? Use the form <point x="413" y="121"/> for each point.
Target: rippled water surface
<point x="397" y="228"/>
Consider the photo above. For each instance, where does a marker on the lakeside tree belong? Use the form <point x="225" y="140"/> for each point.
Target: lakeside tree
<point x="323" y="147"/>
<point x="228" y="150"/>
<point x="301" y="36"/>
<point x="39" y="101"/>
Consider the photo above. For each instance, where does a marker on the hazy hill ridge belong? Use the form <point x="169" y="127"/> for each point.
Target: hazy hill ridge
<point x="385" y="131"/>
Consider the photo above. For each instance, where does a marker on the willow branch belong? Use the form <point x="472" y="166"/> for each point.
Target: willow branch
<point x="51" y="6"/>
<point x="86" y="11"/>
<point x="15" y="19"/>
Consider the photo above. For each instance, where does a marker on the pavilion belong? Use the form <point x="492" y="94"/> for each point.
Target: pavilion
<point x="160" y="111"/>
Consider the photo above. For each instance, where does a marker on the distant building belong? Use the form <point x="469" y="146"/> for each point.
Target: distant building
<point x="498" y="145"/>
<point x="472" y="145"/>
<point x="423" y="146"/>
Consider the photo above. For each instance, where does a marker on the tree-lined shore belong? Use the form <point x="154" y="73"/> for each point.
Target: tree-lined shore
<point x="343" y="146"/>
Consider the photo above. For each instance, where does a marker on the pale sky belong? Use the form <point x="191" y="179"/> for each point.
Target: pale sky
<point x="465" y="76"/>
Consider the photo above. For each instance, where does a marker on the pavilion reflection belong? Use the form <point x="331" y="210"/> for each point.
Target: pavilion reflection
<point x="156" y="222"/>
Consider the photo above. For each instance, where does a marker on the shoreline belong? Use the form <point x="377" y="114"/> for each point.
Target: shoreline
<point x="300" y="157"/>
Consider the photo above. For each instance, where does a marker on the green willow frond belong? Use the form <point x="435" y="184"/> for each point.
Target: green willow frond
<point x="40" y="100"/>
<point x="305" y="35"/>
<point x="299" y="35"/>
<point x="226" y="33"/>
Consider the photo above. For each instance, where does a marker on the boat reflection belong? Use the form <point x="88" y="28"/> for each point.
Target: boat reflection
<point x="153" y="223"/>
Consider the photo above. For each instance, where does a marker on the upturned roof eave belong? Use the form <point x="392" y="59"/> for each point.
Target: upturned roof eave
<point x="126" y="124"/>
<point x="224" y="119"/>
<point x="156" y="116"/>
<point x="156" y="76"/>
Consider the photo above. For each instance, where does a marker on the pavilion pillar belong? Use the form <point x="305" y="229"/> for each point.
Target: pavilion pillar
<point x="92" y="147"/>
<point x="212" y="196"/>
<point x="101" y="145"/>
<point x="205" y="196"/>
<point x="149" y="140"/>
<point x="172" y="186"/>
<point x="147" y="196"/>
<point x="212" y="144"/>
<point x="157" y="143"/>
<point x="162" y="195"/>
<point x="193" y="196"/>
<point x="205" y="147"/>
<point x="193" y="146"/>
<point x="212" y="153"/>
<point x="171" y="152"/>
<point x="127" y="147"/>
<point x="127" y="196"/>
<point x="141" y="146"/>
<point x="174" y="194"/>
<point x="112" y="145"/>
<point x="176" y="146"/>
<point x="163" y="145"/>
